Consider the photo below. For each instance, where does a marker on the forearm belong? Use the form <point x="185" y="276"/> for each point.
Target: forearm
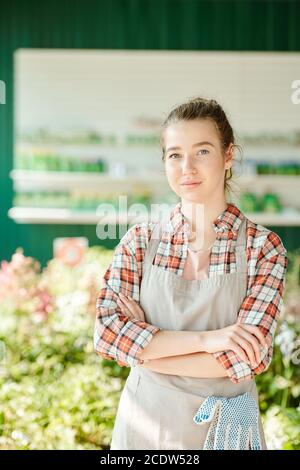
<point x="200" y="364"/>
<point x="172" y="343"/>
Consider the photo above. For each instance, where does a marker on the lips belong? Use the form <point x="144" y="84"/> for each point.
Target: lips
<point x="191" y="183"/>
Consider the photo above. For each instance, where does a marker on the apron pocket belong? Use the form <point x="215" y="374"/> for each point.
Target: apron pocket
<point x="164" y="418"/>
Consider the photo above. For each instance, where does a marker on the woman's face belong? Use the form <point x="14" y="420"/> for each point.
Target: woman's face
<point x="194" y="154"/>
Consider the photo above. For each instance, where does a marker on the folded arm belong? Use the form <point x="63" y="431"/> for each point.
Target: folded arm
<point x="200" y="364"/>
<point x="118" y="337"/>
<point x="261" y="307"/>
<point x="128" y="341"/>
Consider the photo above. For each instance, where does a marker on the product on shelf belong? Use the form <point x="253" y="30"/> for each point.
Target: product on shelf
<point x="267" y="202"/>
<point x="271" y="203"/>
<point x="288" y="167"/>
<point x="82" y="200"/>
<point x="144" y="197"/>
<point x="249" y="202"/>
<point x="45" y="161"/>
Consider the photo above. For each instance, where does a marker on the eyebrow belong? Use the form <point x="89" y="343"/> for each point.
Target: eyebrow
<point x="195" y="145"/>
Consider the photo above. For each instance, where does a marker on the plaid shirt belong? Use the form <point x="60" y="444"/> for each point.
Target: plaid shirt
<point x="118" y="338"/>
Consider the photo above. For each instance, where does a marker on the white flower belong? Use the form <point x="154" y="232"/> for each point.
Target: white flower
<point x="285" y="339"/>
<point x="20" y="437"/>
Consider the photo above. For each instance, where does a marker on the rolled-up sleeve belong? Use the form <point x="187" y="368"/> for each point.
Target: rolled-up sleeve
<point x="261" y="307"/>
<point x="116" y="337"/>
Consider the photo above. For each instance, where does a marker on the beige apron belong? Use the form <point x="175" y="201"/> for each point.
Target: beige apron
<point x="156" y="410"/>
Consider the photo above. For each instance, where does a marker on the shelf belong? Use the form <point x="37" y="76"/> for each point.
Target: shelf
<point x="284" y="219"/>
<point x="43" y="180"/>
<point x="270" y="180"/>
<point x="287" y="185"/>
<point x="64" y="179"/>
<point x="34" y="215"/>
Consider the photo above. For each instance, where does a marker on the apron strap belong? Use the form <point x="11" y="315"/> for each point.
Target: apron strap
<point x="156" y="238"/>
<point x="240" y="249"/>
<point x="241" y="238"/>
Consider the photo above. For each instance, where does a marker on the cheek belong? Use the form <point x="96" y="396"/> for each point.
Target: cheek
<point x="214" y="168"/>
<point x="172" y="171"/>
<point x="173" y="178"/>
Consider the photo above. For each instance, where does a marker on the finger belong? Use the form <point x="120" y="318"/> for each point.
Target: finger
<point x="126" y="303"/>
<point x="254" y="341"/>
<point x="205" y="411"/>
<point x="247" y="347"/>
<point x="255" y="440"/>
<point x="220" y="435"/>
<point x="125" y="309"/>
<point x="244" y="440"/>
<point x="239" y="351"/>
<point x="232" y="438"/>
<point x="255" y="344"/>
<point x="239" y="437"/>
<point x="136" y="310"/>
<point x="126" y="298"/>
<point x="139" y="312"/>
<point x="120" y="302"/>
<point x="255" y="330"/>
<point x="210" y="441"/>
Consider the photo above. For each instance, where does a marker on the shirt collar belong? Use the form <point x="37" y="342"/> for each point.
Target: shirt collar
<point x="229" y="219"/>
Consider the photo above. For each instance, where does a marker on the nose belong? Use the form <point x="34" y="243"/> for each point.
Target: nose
<point x="188" y="164"/>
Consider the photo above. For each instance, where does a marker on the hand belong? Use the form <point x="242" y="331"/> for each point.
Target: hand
<point x="234" y="422"/>
<point x="244" y="340"/>
<point x="131" y="308"/>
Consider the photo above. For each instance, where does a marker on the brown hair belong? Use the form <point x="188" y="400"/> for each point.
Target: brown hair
<point x="202" y="108"/>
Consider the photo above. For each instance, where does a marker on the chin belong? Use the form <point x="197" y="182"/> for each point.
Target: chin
<point x="191" y="196"/>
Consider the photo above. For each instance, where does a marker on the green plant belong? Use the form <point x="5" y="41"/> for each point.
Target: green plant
<point x="55" y="392"/>
<point x="279" y="386"/>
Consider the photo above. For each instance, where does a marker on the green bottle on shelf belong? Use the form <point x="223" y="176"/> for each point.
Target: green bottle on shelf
<point x="270" y="203"/>
<point x="100" y="166"/>
<point x="249" y="202"/>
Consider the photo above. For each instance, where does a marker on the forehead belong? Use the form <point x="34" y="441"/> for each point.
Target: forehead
<point x="185" y="133"/>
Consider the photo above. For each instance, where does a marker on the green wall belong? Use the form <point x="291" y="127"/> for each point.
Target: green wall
<point x="126" y="24"/>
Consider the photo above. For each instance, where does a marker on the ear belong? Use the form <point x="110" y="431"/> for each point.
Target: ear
<point x="229" y="154"/>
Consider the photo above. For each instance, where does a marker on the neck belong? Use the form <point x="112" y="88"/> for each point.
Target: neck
<point x="200" y="216"/>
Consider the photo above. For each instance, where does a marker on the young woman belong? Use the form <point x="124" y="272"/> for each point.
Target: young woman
<point x="191" y="303"/>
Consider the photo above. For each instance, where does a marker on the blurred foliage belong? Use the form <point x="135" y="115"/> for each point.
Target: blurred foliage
<point x="279" y="385"/>
<point x="56" y="393"/>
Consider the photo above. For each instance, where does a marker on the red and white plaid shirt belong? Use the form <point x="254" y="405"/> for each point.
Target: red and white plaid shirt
<point x="118" y="338"/>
